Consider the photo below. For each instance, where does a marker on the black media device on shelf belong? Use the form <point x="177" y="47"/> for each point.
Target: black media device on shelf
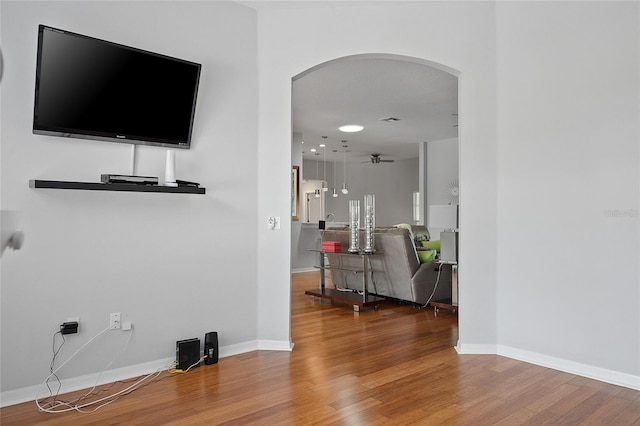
<point x="94" y="89"/>
<point x="138" y="180"/>
<point x="188" y="353"/>
<point x="211" y="348"/>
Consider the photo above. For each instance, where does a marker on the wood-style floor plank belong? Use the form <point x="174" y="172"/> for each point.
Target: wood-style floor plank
<point x="394" y="366"/>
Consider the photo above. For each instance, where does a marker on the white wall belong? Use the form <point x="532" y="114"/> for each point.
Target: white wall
<point x="177" y="266"/>
<point x="442" y="169"/>
<point x="540" y="190"/>
<point x="458" y="35"/>
<point x="568" y="132"/>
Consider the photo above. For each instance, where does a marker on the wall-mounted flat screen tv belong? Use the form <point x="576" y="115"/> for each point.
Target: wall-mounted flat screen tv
<point x="94" y="89"/>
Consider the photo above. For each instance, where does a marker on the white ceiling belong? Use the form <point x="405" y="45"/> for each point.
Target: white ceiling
<point x="366" y="90"/>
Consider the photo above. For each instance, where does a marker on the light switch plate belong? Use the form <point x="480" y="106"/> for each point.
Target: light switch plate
<point x="273" y="222"/>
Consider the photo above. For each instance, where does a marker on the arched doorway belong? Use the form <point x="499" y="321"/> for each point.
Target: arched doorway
<point x="409" y="108"/>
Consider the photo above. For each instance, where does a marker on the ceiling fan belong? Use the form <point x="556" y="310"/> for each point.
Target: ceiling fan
<point x="375" y="159"/>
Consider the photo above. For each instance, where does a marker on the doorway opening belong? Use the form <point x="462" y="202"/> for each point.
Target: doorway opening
<point x="407" y="153"/>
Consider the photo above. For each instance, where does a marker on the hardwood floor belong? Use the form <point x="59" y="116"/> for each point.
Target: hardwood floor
<point x="394" y="366"/>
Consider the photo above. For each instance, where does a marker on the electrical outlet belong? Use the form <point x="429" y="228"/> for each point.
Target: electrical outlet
<point x="114" y="321"/>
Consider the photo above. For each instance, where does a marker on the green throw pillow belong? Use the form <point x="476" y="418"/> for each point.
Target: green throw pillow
<point x="426" y="256"/>
<point x="434" y="245"/>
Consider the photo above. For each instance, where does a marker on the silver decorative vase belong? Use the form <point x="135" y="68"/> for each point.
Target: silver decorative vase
<point x="369" y="223"/>
<point x="354" y="224"/>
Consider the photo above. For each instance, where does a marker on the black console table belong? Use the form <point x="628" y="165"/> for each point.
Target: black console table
<point x="358" y="301"/>
<point x="129" y="187"/>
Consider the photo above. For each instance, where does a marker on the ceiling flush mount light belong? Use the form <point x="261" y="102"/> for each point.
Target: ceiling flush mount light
<point x="351" y="128"/>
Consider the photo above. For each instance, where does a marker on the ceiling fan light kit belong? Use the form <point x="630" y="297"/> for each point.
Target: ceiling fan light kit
<point x="390" y="119"/>
<point x="376" y="159"/>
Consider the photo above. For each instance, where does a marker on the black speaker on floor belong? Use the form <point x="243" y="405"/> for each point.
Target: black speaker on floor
<point x="211" y="348"/>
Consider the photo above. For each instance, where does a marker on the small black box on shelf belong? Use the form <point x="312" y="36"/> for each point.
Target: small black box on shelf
<point x="139" y="180"/>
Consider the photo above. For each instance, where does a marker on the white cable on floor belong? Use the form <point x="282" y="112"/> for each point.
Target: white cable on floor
<point x="57" y="406"/>
<point x="435" y="287"/>
<point x="53" y="373"/>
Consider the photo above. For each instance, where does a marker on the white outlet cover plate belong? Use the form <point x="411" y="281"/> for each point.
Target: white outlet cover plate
<point x="114" y="321"/>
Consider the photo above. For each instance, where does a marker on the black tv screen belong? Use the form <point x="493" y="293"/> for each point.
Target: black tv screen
<point x="94" y="89"/>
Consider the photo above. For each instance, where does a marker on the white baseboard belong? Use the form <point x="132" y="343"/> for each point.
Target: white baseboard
<point x="72" y="384"/>
<point x="275" y="345"/>
<point x="572" y="367"/>
<point x="584" y="370"/>
<point x="27" y="394"/>
<point x="256" y="345"/>
<point x="474" y="349"/>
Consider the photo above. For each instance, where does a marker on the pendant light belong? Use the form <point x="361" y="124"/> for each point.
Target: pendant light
<point x="316" y="193"/>
<point x="334" y="193"/>
<point x="345" y="189"/>
<point x="324" y="165"/>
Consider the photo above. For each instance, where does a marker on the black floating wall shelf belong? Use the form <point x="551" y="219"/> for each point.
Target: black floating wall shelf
<point x="130" y="187"/>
